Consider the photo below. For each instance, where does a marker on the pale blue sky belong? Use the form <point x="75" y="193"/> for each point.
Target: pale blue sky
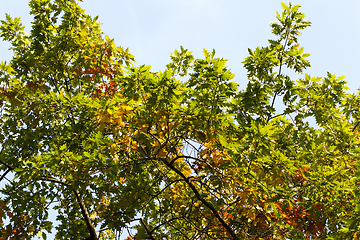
<point x="154" y="28"/>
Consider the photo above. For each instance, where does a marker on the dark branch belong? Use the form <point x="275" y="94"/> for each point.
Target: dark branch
<point x="206" y="203"/>
<point x="82" y="207"/>
<point x="86" y="217"/>
<point x="149" y="233"/>
<point x="356" y="126"/>
<point x="7" y="171"/>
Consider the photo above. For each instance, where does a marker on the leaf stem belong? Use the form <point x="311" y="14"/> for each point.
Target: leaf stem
<point x="279" y="73"/>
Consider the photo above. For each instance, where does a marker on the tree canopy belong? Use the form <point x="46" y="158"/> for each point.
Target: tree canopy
<point x="181" y="153"/>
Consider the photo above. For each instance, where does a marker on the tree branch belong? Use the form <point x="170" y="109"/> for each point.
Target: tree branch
<point x="82" y="207"/>
<point x="279" y="73"/>
<point x="7" y="171"/>
<point x="86" y="217"/>
<point x="149" y="233"/>
<point x="206" y="203"/>
<point x="355" y="126"/>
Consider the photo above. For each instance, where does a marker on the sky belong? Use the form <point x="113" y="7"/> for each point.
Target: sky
<point x="152" y="29"/>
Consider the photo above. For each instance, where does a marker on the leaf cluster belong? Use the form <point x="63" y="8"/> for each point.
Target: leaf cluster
<point x="176" y="154"/>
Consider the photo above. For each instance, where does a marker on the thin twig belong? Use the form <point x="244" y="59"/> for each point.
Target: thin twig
<point x="279" y="73"/>
<point x="7" y="171"/>
<point x="83" y="208"/>
<point x="355" y="126"/>
<point x="204" y="201"/>
<point x="149" y="233"/>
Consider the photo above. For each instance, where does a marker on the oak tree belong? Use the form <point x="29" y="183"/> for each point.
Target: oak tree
<point x="181" y="153"/>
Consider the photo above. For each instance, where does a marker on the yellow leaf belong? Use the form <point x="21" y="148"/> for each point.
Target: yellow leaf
<point x="187" y="172"/>
<point x="102" y="126"/>
<point x="162" y="153"/>
<point x="120" y="122"/>
<point x="128" y="108"/>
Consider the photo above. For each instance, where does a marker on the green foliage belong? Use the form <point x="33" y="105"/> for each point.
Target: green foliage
<point x="175" y="154"/>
